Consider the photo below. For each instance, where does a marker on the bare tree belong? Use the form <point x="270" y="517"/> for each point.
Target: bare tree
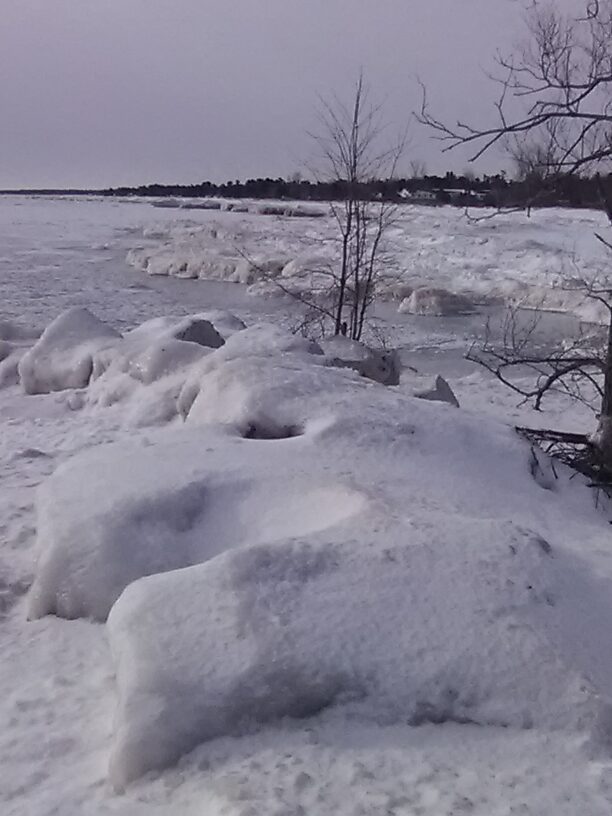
<point x="561" y="82"/>
<point x="354" y="154"/>
<point x="418" y="168"/>
<point x="562" y="77"/>
<point x="534" y="160"/>
<point x="535" y="372"/>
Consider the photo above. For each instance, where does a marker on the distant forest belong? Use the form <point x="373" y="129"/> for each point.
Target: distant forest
<point x="461" y="190"/>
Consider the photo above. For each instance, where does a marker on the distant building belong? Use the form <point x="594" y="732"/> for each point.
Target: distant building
<point x="419" y="195"/>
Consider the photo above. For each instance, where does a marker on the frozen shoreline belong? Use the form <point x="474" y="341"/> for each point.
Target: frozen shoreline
<point x="57" y="676"/>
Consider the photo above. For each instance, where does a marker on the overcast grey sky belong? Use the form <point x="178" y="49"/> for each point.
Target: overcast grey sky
<point x="109" y="92"/>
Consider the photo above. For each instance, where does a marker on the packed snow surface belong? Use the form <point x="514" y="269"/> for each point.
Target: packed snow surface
<point x="238" y="575"/>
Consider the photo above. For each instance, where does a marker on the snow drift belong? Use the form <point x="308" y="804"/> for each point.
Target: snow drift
<point x="310" y="538"/>
<point x="274" y="631"/>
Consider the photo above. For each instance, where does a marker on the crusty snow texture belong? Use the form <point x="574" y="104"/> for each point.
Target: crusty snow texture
<point x="308" y="538"/>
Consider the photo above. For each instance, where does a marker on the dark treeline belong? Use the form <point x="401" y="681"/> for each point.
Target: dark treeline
<point x="461" y="190"/>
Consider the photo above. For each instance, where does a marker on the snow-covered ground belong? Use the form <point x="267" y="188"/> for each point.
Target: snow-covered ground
<point x="237" y="577"/>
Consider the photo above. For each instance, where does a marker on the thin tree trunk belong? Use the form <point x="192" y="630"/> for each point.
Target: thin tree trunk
<point x="346" y="239"/>
<point x="602" y="437"/>
<point x="342" y="289"/>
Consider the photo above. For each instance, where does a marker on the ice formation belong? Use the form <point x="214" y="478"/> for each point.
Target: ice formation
<point x="310" y="539"/>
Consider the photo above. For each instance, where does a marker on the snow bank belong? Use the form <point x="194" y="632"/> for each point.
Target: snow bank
<point x="310" y="538"/>
<point x="287" y="630"/>
<point x="63" y="356"/>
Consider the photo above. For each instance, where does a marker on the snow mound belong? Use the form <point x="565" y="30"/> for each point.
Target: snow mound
<point x="63" y="356"/>
<point x="148" y="368"/>
<point x="111" y="516"/>
<point x="289" y="629"/>
<point x="427" y="300"/>
<point x="145" y="375"/>
<point x="244" y="394"/>
<point x="262" y="396"/>
<point x="311" y="538"/>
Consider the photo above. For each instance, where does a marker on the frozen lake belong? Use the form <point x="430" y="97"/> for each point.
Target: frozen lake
<point x="56" y="253"/>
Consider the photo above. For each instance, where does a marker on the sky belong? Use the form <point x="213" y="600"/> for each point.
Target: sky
<point x="97" y="93"/>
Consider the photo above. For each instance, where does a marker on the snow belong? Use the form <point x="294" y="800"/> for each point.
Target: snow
<point x="323" y="595"/>
<point x="134" y="519"/>
<point x="63" y="356"/>
<point x="288" y="570"/>
<point x="273" y="631"/>
<point x="436" y="261"/>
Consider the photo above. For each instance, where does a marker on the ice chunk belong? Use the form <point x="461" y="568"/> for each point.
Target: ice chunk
<point x="9" y="374"/>
<point x="432" y="301"/>
<point x="380" y="365"/>
<point x="63" y="356"/>
<point x="193" y="329"/>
